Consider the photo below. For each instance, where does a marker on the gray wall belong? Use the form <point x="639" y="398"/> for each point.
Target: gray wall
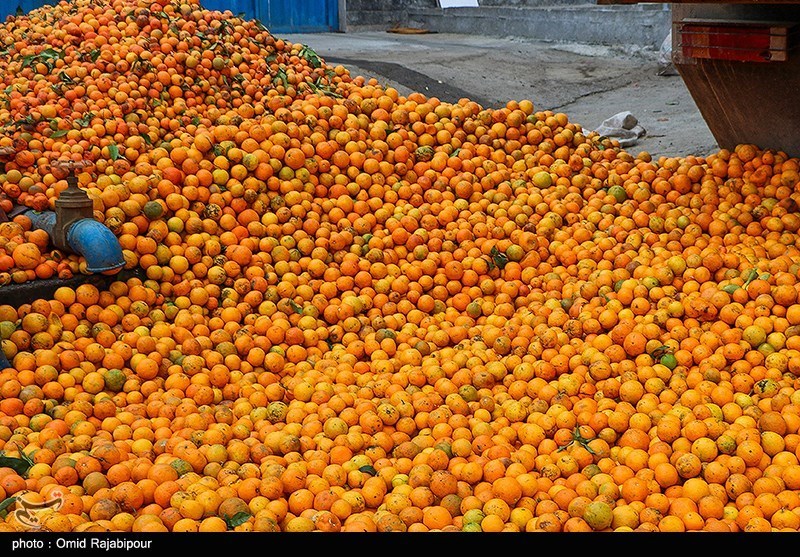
<point x="585" y="21"/>
<point x="375" y="14"/>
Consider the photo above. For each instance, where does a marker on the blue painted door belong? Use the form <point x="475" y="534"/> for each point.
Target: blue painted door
<point x="300" y="16"/>
<point x="237" y="7"/>
<point x="280" y="16"/>
<point x="10" y="7"/>
<point x="285" y="16"/>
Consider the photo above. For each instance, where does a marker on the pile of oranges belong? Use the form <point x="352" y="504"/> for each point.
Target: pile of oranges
<point x="362" y="311"/>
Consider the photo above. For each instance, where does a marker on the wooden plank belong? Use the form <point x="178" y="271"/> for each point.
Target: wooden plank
<point x="734" y="54"/>
<point x="775" y="27"/>
<point x="745" y="102"/>
<point x="744" y="41"/>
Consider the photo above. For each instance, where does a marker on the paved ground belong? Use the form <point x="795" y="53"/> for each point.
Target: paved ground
<point x="588" y="83"/>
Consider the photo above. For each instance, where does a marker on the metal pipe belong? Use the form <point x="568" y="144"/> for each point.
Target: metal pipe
<point x="43" y="220"/>
<point x="87" y="237"/>
<point x="97" y="244"/>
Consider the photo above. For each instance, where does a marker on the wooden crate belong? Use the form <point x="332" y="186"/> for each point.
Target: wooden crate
<point x="736" y="40"/>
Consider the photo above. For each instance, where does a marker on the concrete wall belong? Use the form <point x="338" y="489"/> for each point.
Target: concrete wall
<point x="638" y="25"/>
<point x="379" y="15"/>
<point x="374" y="15"/>
<point x="529" y="3"/>
<point x="584" y="21"/>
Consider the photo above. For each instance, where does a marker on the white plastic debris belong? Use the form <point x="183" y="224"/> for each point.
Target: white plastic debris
<point x="665" y="65"/>
<point x="624" y="127"/>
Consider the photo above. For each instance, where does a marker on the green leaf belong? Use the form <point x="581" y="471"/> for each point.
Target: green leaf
<point x="367" y="469"/>
<point x="321" y="88"/>
<point x="751" y="275"/>
<point x="730" y="288"/>
<point x="281" y="74"/>
<point x="580" y="439"/>
<point x="7" y="503"/>
<point x="85" y="120"/>
<point x="51" y="53"/>
<point x="19" y="465"/>
<point x="500" y="259"/>
<point x="58" y="133"/>
<point x="196" y="121"/>
<point x="660" y="351"/>
<point x="237" y="520"/>
<point x="309" y="54"/>
<point x="227" y="25"/>
<point x="139" y="64"/>
<point x="297" y="308"/>
<point x="113" y="151"/>
<point x="27" y="121"/>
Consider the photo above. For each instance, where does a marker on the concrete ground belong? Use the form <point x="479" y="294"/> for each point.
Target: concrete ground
<point x="587" y="82"/>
